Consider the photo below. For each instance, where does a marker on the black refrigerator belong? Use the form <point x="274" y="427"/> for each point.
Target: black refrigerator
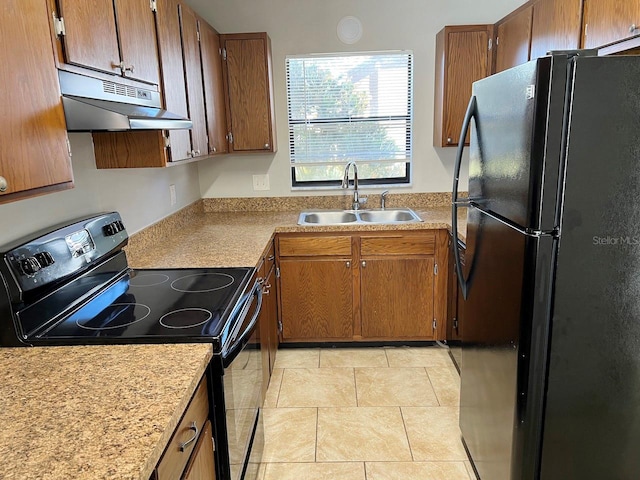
<point x="550" y="370"/>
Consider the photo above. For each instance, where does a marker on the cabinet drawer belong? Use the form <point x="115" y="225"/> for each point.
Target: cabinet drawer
<point x="174" y="460"/>
<point x="424" y="244"/>
<point x="311" y="246"/>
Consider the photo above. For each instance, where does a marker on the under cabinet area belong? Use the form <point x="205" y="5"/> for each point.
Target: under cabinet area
<point x="190" y="449"/>
<point x="363" y="286"/>
<point x="34" y="147"/>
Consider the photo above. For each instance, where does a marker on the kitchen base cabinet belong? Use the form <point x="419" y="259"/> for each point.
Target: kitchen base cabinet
<point x="363" y="286"/>
<point x="34" y="149"/>
<point x="268" y="319"/>
<point x="202" y="466"/>
<point x="455" y="305"/>
<point x="182" y="455"/>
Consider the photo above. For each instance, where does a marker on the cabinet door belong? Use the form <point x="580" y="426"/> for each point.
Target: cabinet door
<point x="33" y="136"/>
<point x="138" y="40"/>
<point x="173" y="84"/>
<point x="272" y="325"/>
<point x="317" y="299"/>
<point x="90" y="38"/>
<point x="248" y="94"/>
<point x="607" y="21"/>
<point x="201" y="464"/>
<point x="514" y="40"/>
<point x="397" y="298"/>
<point x="556" y="26"/>
<point x="193" y="76"/>
<point x="462" y="57"/>
<point x="213" y="88"/>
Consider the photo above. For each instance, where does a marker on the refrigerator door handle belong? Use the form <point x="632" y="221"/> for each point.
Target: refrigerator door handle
<point x="455" y="201"/>
<point x="524" y="231"/>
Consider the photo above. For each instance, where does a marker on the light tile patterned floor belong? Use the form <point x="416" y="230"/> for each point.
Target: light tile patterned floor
<point x="363" y="414"/>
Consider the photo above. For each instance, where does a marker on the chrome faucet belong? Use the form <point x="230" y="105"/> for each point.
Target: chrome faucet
<point x="383" y="199"/>
<point x="357" y="200"/>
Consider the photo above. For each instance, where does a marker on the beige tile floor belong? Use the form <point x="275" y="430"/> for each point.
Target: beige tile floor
<point x="363" y="414"/>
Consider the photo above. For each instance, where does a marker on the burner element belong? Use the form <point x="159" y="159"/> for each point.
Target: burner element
<point x="148" y="280"/>
<point x="185" y="318"/>
<point x="116" y="315"/>
<point x="202" y="282"/>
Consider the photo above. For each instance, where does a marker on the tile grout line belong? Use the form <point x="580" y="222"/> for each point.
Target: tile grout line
<point x="280" y="387"/>
<point x="315" y="453"/>
<point x="432" y="387"/>
<point x="355" y="386"/>
<point x="406" y="433"/>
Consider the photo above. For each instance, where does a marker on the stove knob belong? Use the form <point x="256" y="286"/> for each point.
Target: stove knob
<point x="120" y="225"/>
<point x="45" y="259"/>
<point x="110" y="229"/>
<point x="30" y="265"/>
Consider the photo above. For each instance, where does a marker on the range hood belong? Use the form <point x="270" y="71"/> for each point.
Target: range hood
<point x="91" y="104"/>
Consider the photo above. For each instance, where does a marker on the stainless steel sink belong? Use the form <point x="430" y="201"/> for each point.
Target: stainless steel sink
<point x="349" y="217"/>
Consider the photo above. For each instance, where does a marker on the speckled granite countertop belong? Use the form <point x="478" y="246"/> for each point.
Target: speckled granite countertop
<point x="233" y="239"/>
<point x="98" y="412"/>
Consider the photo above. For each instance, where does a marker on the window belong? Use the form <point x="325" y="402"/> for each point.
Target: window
<point x="350" y="107"/>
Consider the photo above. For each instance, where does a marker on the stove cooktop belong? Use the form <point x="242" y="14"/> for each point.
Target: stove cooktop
<point x="171" y="304"/>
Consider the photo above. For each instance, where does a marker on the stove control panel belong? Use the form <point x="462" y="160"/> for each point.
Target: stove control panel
<point x="61" y="252"/>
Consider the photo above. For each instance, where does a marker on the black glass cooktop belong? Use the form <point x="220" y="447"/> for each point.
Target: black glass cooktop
<point x="146" y="304"/>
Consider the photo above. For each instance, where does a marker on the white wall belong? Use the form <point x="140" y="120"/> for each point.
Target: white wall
<point x="140" y="195"/>
<point x="309" y="26"/>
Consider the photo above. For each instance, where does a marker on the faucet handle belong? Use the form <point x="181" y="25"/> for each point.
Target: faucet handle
<point x="362" y="200"/>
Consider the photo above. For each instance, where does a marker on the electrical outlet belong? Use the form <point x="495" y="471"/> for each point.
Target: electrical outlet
<point x="261" y="182"/>
<point x="172" y="194"/>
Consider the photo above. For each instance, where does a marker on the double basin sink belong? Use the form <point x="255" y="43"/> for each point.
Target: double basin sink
<point x="363" y="217"/>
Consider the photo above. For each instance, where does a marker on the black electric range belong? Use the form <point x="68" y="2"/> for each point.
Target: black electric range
<point x="71" y="285"/>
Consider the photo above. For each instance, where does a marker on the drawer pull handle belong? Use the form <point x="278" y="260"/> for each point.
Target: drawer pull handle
<point x="271" y="258"/>
<point x="184" y="445"/>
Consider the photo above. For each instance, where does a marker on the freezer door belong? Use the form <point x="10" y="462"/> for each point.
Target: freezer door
<point x="516" y="142"/>
<point x="592" y="416"/>
<point x="501" y="381"/>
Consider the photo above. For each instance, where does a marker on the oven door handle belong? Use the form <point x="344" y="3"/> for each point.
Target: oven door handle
<point x="233" y="346"/>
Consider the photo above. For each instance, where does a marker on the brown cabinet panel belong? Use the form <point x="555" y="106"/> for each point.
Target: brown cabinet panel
<point x="423" y="244"/>
<point x="513" y="40"/>
<point x="462" y="57"/>
<point x="33" y="136"/>
<point x="90" y="38"/>
<point x="193" y="76"/>
<point x="134" y="149"/>
<point x="397" y="298"/>
<point x="202" y="465"/>
<point x="317" y="299"/>
<point x="174" y="459"/>
<point x="608" y="21"/>
<point x="138" y="40"/>
<point x="249" y="92"/>
<point x="556" y="26"/>
<point x="213" y="88"/>
<point x="314" y="246"/>
<point x="173" y="82"/>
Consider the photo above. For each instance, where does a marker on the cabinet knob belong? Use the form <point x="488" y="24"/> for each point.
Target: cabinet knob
<point x="130" y="68"/>
<point x="3" y="184"/>
<point x="364" y="264"/>
<point x="348" y="264"/>
<point x="449" y="140"/>
<point x="190" y="153"/>
<point x="196" y="153"/>
<point x="632" y="28"/>
<point x="267" y="146"/>
<point x="214" y="149"/>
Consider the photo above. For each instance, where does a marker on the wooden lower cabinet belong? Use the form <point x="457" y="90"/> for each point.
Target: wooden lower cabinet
<point x="363" y="286"/>
<point x="268" y="320"/>
<point x="455" y="304"/>
<point x="397" y="298"/>
<point x="202" y="465"/>
<point x="317" y="299"/>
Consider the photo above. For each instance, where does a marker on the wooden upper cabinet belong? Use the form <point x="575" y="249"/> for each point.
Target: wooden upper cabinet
<point x="193" y="77"/>
<point x="213" y="88"/>
<point x="174" y="88"/>
<point x="138" y="40"/>
<point x="462" y="57"/>
<point x="556" y="26"/>
<point x="608" y="21"/>
<point x="34" y="154"/>
<point x="113" y="36"/>
<point x="249" y="92"/>
<point x="513" y="39"/>
<point x="90" y="38"/>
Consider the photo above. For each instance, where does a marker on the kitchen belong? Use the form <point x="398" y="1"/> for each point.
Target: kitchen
<point x="143" y="195"/>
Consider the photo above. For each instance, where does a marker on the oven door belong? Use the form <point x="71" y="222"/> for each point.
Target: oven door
<point x="242" y="380"/>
